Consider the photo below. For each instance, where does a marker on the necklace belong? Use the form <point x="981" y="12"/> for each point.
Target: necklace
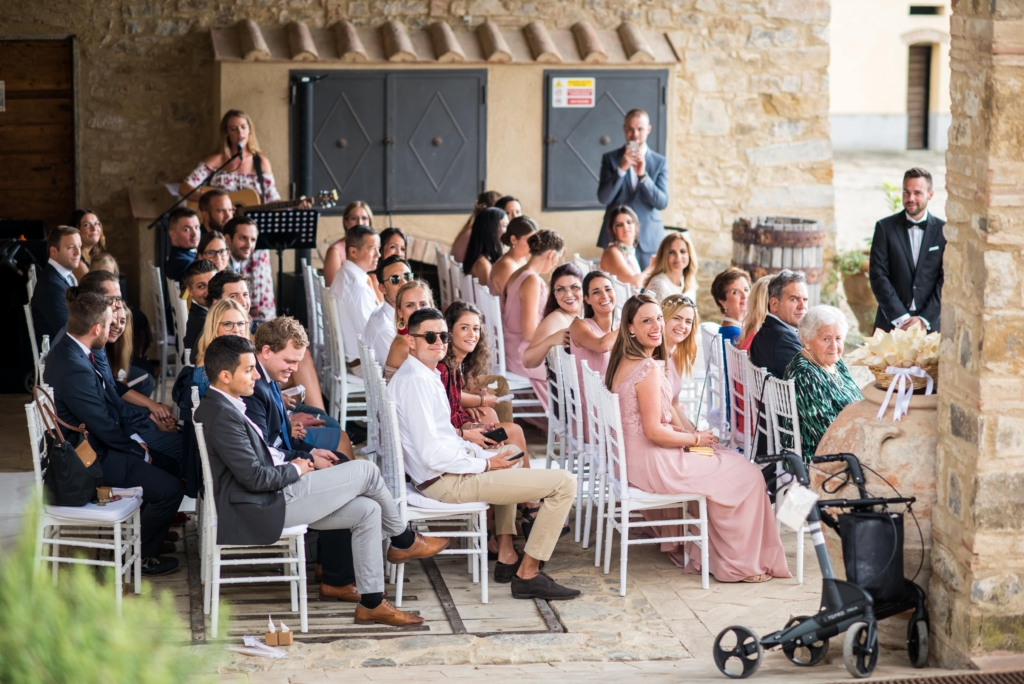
<point x="832" y="372"/>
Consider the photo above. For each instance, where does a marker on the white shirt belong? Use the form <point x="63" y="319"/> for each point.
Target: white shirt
<point x="64" y="273"/>
<point x="380" y="331"/>
<point x="429" y="442"/>
<point x="276" y="454"/>
<point x="633" y="179"/>
<point x="356" y="302"/>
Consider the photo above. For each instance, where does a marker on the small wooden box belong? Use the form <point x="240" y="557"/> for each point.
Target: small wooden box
<point x="278" y="639"/>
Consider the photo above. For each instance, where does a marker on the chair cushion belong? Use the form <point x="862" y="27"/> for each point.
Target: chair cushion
<point x="640" y="495"/>
<point x="294" y="531"/>
<point x="517" y="382"/>
<point x="417" y="500"/>
<point x="114" y="511"/>
<point x="354" y="380"/>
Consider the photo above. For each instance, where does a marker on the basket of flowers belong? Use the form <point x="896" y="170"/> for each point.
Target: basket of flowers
<point x="884" y="352"/>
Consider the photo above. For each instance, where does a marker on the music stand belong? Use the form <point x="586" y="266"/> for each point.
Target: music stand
<point x="281" y="230"/>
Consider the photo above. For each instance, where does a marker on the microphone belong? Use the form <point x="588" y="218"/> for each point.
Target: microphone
<point x="239" y="152"/>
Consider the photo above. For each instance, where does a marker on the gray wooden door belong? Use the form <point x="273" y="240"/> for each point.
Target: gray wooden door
<point x="576" y="138"/>
<point x="918" y="94"/>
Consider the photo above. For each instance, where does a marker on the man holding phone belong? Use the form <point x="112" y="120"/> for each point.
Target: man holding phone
<point x="637" y="177"/>
<point x="444" y="467"/>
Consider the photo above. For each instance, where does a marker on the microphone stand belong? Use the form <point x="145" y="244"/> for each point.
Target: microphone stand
<point x="206" y="182"/>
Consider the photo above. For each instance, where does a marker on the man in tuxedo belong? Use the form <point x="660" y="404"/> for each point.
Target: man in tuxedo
<point x="183" y="231"/>
<point x="637" y="177"/>
<point x="241" y="233"/>
<point x="197" y="279"/>
<point x="906" y="260"/>
<point x="260" y="489"/>
<point x="392" y="273"/>
<point x="82" y="395"/>
<point x="49" y="310"/>
<point x="777" y="342"/>
<point x="215" y="209"/>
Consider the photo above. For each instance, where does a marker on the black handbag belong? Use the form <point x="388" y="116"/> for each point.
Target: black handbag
<point x="71" y="474"/>
<point x="873" y="552"/>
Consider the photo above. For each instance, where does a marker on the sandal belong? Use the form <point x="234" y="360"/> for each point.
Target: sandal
<point x="757" y="579"/>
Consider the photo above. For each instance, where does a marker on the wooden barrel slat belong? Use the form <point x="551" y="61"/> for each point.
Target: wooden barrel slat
<point x="764" y="245"/>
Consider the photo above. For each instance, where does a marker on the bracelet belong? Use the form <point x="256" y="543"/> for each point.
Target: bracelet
<point x="696" y="433"/>
<point x="481" y="401"/>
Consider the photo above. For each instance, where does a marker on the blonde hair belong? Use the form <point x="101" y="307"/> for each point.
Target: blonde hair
<point x="213" y="319"/>
<point x="757" y="307"/>
<point x="400" y="295"/>
<point x="251" y="144"/>
<point x="121" y="353"/>
<point x="685" y="353"/>
<point x="105" y="262"/>
<point x="358" y="204"/>
<point x="660" y="264"/>
<point x="629" y="347"/>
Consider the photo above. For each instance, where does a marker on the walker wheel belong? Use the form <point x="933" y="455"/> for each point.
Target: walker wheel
<point x="859" y="656"/>
<point x="917" y="643"/>
<point x="804" y="655"/>
<point x="738" y="652"/>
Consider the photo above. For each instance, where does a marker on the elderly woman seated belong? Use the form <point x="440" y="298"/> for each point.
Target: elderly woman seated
<point x="823" y="383"/>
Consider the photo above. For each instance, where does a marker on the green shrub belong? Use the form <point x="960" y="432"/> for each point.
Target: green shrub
<point x="71" y="633"/>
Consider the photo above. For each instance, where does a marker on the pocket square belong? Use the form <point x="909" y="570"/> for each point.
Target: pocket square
<point x="933" y="248"/>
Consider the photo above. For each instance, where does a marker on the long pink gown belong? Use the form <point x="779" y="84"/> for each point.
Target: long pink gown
<point x="744" y="540"/>
<point x="515" y="342"/>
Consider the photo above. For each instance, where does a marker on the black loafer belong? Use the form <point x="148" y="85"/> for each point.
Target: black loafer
<point x="504" y="572"/>
<point x="543" y="587"/>
<point x="161" y="565"/>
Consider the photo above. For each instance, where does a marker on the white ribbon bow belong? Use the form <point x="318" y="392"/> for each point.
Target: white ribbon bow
<point x="904" y="387"/>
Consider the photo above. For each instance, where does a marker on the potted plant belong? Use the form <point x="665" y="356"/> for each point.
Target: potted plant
<point x="853" y="267"/>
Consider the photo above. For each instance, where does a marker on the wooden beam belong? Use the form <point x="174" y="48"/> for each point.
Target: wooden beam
<point x="397" y="44"/>
<point x="589" y="44"/>
<point x="541" y="45"/>
<point x="300" y="42"/>
<point x="251" y="41"/>
<point x="492" y="43"/>
<point x="350" y="47"/>
<point x="446" y="45"/>
<point x="634" y="43"/>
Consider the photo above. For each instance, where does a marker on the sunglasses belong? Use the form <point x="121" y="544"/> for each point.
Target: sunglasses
<point x="431" y="337"/>
<point x="214" y="253"/>
<point x="407" y="276"/>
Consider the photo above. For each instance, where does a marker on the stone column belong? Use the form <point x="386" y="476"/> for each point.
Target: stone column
<point x="977" y="586"/>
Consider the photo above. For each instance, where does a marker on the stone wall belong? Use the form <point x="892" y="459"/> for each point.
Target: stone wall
<point x="751" y="95"/>
<point x="977" y="590"/>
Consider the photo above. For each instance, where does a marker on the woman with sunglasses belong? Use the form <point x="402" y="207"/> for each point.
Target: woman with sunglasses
<point x="744" y="543"/>
<point x="681" y="320"/>
<point x="226" y="317"/>
<point x="564" y="305"/>
<point x="213" y="247"/>
<point x="411" y="297"/>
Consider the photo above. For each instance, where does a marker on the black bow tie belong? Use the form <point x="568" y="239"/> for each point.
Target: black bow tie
<point x="916" y="224"/>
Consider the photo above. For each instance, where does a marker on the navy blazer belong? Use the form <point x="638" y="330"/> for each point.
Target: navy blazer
<point x="80" y="397"/>
<point x="178" y="261"/>
<point x="897" y="281"/>
<point x="647" y="200"/>
<point x="261" y="408"/>
<point x="774" y="346"/>
<point x="194" y="328"/>
<point x="49" y="307"/>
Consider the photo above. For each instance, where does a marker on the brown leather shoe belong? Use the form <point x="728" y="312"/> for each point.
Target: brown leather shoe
<point x="347" y="593"/>
<point x="385" y="614"/>
<point x="423" y="547"/>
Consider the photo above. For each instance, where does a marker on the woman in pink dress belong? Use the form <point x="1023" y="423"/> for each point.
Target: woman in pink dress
<point x="591" y="337"/>
<point x="681" y="322"/>
<point x="522" y="307"/>
<point x="744" y="542"/>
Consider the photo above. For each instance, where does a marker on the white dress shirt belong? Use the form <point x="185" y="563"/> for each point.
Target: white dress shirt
<point x="64" y="273"/>
<point x="380" y="331"/>
<point x="351" y="290"/>
<point x="429" y="442"/>
<point x="276" y="454"/>
<point x="633" y="178"/>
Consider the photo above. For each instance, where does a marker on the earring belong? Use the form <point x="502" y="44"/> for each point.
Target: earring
<point x="632" y="335"/>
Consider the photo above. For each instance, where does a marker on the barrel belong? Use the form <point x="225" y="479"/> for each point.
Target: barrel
<point x="764" y="245"/>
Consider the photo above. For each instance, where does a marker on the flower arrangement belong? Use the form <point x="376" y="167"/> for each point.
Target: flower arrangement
<point x="899" y="349"/>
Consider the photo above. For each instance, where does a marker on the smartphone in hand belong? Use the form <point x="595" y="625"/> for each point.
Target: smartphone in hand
<point x="518" y="456"/>
<point x="496" y="435"/>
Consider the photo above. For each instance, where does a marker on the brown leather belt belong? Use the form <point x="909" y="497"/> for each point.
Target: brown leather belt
<point x="428" y="483"/>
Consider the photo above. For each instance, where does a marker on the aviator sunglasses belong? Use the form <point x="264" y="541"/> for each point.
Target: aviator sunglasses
<point x="407" y="276"/>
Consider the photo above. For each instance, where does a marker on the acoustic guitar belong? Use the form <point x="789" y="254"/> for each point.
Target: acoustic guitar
<point x="250" y="199"/>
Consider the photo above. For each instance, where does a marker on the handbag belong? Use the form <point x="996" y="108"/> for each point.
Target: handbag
<point x="71" y="474"/>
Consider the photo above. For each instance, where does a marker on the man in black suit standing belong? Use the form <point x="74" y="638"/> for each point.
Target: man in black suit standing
<point x="637" y="177"/>
<point x="81" y="396"/>
<point x="777" y="342"/>
<point x="259" y="489"/>
<point x="906" y="260"/>
<point x="49" y="309"/>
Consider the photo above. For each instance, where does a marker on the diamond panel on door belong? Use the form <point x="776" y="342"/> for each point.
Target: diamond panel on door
<point x="439" y="124"/>
<point x="348" y="137"/>
<point x="576" y="138"/>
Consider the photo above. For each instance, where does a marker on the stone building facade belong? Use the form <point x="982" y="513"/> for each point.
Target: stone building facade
<point x="750" y="115"/>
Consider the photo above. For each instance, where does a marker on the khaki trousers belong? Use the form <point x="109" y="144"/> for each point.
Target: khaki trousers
<point x="556" y="489"/>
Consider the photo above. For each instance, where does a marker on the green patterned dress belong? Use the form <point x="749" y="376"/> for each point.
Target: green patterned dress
<point x="820" y="396"/>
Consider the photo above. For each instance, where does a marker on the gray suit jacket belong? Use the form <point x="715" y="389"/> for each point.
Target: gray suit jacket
<point x="247" y="485"/>
<point x="647" y="200"/>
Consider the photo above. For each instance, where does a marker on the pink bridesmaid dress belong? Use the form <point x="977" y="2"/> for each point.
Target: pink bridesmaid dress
<point x="743" y="538"/>
<point x="596" y="361"/>
<point x="515" y="342"/>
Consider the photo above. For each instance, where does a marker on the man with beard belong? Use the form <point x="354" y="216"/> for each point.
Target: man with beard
<point x="241" y="233"/>
<point x="215" y="209"/>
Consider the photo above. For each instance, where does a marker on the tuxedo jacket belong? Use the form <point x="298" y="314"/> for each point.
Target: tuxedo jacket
<point x="80" y="397"/>
<point x="647" y="200"/>
<point x="897" y="280"/>
<point x="774" y="346"/>
<point x="247" y="486"/>
<point x="49" y="307"/>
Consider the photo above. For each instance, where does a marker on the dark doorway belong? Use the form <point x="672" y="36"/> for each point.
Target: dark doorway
<point x="919" y="74"/>
<point x="37" y="130"/>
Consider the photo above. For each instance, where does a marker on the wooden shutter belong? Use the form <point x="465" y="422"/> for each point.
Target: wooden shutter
<point x="918" y="81"/>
